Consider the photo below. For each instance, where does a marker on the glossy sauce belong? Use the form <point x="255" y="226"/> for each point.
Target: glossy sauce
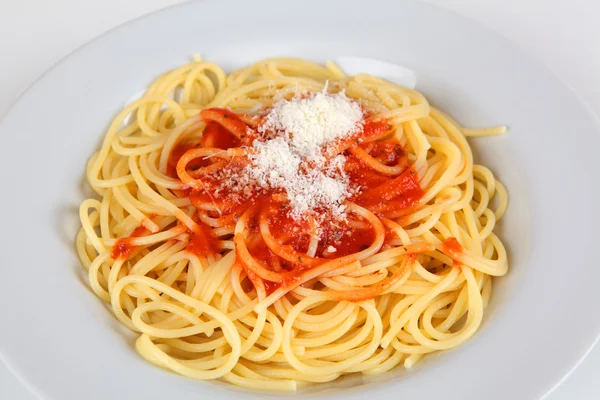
<point x="123" y="247"/>
<point x="225" y="129"/>
<point x="217" y="136"/>
<point x="345" y="239"/>
<point x="385" y="192"/>
<point x="270" y="287"/>
<point x="203" y="242"/>
<point x="452" y="247"/>
<point x="177" y="152"/>
<point x="387" y="153"/>
<point x="375" y="128"/>
<point x="289" y="231"/>
<point x="232" y="123"/>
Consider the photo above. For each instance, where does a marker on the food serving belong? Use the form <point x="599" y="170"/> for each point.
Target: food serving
<point x="288" y="224"/>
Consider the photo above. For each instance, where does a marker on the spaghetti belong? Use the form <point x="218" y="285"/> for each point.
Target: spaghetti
<point x="249" y="275"/>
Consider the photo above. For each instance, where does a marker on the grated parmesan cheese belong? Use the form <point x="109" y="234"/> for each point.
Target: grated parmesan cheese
<point x="312" y="121"/>
<point x="289" y="156"/>
<point x="273" y="163"/>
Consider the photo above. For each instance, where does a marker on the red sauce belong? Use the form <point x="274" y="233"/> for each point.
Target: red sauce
<point x="372" y="130"/>
<point x="361" y="176"/>
<point x="345" y="239"/>
<point x="247" y="285"/>
<point x="451" y="246"/>
<point x="379" y="192"/>
<point x="396" y="193"/>
<point x="265" y="257"/>
<point x="217" y="136"/>
<point x="231" y="122"/>
<point x="376" y="128"/>
<point x="203" y="242"/>
<point x="389" y="237"/>
<point x="387" y="153"/>
<point x="123" y="247"/>
<point x="226" y="200"/>
<point x="177" y="152"/>
<point x="291" y="232"/>
<point x="270" y="287"/>
<point x="376" y="186"/>
<point x="340" y="235"/>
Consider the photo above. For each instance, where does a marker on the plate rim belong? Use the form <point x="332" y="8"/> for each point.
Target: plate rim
<point x="32" y="387"/>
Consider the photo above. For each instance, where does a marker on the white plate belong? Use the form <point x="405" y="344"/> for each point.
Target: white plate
<point x="543" y="315"/>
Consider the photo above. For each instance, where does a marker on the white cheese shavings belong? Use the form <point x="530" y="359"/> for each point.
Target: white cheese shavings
<point x="289" y="157"/>
<point x="316" y="184"/>
<point x="314" y="120"/>
<point x="273" y="163"/>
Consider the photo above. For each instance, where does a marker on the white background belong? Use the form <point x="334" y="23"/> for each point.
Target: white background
<point x="564" y="35"/>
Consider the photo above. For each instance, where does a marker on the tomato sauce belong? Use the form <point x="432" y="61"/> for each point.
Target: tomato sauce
<point x="124" y="247"/>
<point x="176" y="153"/>
<point x="291" y="232"/>
<point x="231" y="122"/>
<point x="374" y="128"/>
<point x="217" y="136"/>
<point x="387" y="153"/>
<point x="452" y="247"/>
<point x="203" y="241"/>
<point x="345" y="239"/>
<point x="265" y="257"/>
<point x="396" y="193"/>
<point x="378" y="192"/>
<point x="270" y="287"/>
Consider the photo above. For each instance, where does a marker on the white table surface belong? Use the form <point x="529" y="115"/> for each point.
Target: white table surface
<point x="564" y="35"/>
